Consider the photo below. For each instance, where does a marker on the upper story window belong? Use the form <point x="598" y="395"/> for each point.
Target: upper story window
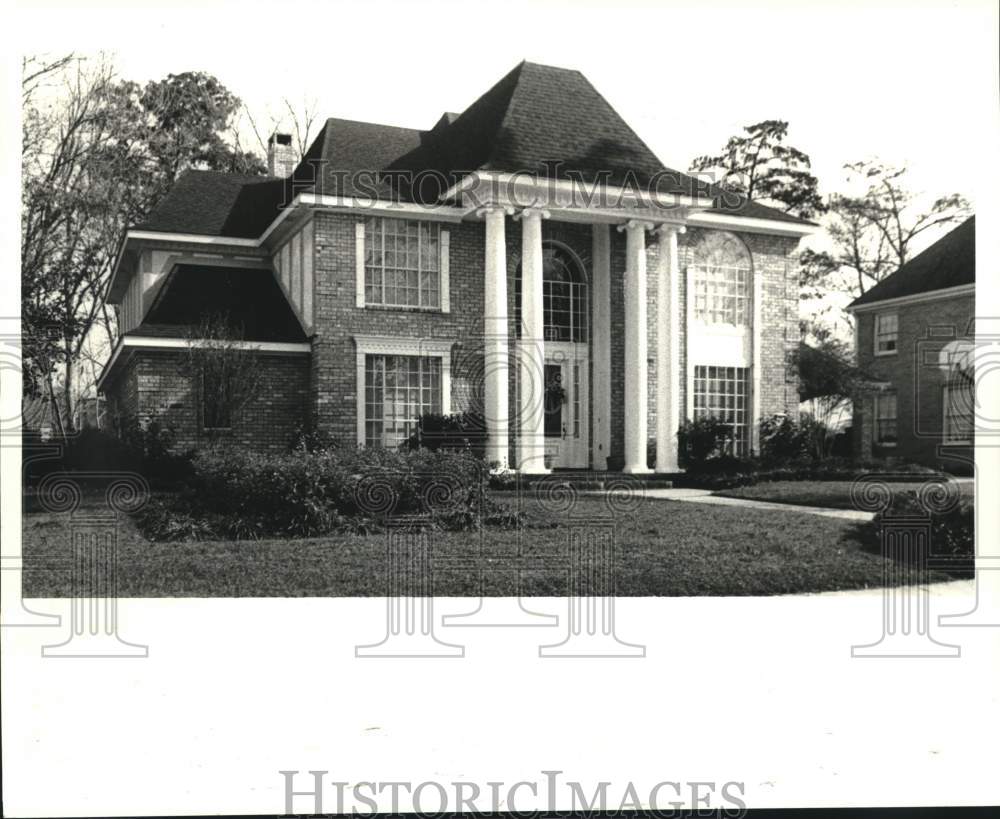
<point x="402" y="263"/>
<point x="564" y="295"/>
<point x="721" y="275"/>
<point x="886" y="333"/>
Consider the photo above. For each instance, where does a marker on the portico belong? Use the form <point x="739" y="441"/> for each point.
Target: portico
<point x="537" y="349"/>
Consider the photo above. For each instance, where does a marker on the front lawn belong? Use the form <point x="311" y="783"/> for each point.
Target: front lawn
<point x="664" y="548"/>
<point x="829" y="494"/>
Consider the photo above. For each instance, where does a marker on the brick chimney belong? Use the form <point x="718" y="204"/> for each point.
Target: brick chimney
<point x="280" y="155"/>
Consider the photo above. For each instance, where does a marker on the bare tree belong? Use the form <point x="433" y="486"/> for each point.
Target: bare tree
<point x="223" y="369"/>
<point x="872" y="234"/>
<point x="299" y="119"/>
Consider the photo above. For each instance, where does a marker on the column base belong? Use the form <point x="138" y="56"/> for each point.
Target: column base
<point x="913" y="645"/>
<point x="631" y="469"/>
<point x="96" y="645"/>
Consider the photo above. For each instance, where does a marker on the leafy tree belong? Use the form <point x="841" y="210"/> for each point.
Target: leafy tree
<point x="759" y="165"/>
<point x="871" y="234"/>
<point x="97" y="155"/>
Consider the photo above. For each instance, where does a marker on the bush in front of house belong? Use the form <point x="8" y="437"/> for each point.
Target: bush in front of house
<point x="458" y="432"/>
<point x="952" y="538"/>
<point x="238" y="493"/>
<point x="142" y="448"/>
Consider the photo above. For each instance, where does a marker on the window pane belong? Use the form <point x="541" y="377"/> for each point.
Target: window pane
<point x="722" y="392"/>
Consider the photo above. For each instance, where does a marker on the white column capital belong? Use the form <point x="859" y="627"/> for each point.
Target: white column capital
<point x="490" y="210"/>
<point x="636" y="224"/>
<point x="666" y="229"/>
<point x="532" y="213"/>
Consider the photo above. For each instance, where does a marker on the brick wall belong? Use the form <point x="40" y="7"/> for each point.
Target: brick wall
<point x="153" y="384"/>
<point x="924" y="328"/>
<point x="779" y="323"/>
<point x="324" y="386"/>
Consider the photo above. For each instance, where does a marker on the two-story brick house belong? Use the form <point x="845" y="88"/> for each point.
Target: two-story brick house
<point x="914" y="336"/>
<point x="529" y="258"/>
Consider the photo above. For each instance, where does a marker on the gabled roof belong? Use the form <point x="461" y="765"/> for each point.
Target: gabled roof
<point x="533" y="116"/>
<point x="249" y="298"/>
<point x="949" y="262"/>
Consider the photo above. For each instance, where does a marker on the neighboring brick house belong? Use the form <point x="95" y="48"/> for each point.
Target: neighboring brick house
<point x="914" y="337"/>
<point x="529" y="258"/>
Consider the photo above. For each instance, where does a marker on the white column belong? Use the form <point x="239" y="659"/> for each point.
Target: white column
<point x="601" y="307"/>
<point x="496" y="350"/>
<point x="668" y="349"/>
<point x="531" y="353"/>
<point x="636" y="347"/>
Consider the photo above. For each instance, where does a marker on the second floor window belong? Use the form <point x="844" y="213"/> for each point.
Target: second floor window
<point x="402" y="263"/>
<point x="722" y="271"/>
<point x="886" y="333"/>
<point x="959" y="410"/>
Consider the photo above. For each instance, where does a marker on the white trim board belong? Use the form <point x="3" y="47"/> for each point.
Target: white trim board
<point x="397" y="345"/>
<point x="916" y="298"/>
<point x="152" y="343"/>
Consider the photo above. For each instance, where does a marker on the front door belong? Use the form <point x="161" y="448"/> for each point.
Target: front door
<point x="566" y="406"/>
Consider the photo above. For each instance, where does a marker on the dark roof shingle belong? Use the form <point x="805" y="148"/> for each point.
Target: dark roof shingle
<point x="533" y="116"/>
<point x="949" y="262"/>
<point x="249" y="298"/>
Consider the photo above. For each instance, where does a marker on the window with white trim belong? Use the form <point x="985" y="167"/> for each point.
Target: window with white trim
<point x="886" y="433"/>
<point x="402" y="263"/>
<point x="959" y="410"/>
<point x="398" y="390"/>
<point x="724" y="393"/>
<point x="886" y="333"/>
<point x="721" y="276"/>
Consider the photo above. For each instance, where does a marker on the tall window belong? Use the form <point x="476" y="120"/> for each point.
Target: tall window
<point x="723" y="393"/>
<point x="959" y="410"/>
<point x="886" y="333"/>
<point x="398" y="390"/>
<point x="885" y="419"/>
<point x="722" y="275"/>
<point x="402" y="263"/>
<point x="564" y="296"/>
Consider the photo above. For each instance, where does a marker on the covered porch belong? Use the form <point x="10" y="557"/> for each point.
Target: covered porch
<point x="548" y="384"/>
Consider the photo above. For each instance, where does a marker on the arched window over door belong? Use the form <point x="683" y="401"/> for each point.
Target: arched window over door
<point x="565" y="295"/>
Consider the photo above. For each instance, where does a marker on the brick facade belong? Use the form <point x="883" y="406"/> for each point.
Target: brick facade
<point x="913" y="372"/>
<point x="322" y="387"/>
<point x="153" y="384"/>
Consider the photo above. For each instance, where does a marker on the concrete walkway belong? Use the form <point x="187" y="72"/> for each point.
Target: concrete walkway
<point x="706" y="496"/>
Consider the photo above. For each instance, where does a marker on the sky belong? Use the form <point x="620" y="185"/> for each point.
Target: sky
<point x="907" y="82"/>
<point x="911" y="83"/>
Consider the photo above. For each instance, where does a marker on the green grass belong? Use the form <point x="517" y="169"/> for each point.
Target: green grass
<point x="663" y="548"/>
<point x="829" y="494"/>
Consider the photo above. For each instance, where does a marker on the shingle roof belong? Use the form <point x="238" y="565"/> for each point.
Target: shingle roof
<point x="250" y="298"/>
<point x="215" y="203"/>
<point x="534" y="115"/>
<point x="949" y="262"/>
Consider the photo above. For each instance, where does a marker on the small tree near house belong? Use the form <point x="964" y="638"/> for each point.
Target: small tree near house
<point x="224" y="371"/>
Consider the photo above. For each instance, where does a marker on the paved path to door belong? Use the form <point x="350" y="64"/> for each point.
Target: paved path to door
<point x="706" y="496"/>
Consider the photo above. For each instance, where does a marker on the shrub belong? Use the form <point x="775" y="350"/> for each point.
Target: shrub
<point x="702" y="440"/>
<point x="459" y="432"/>
<point x="308" y="438"/>
<point x="238" y="493"/>
<point x="952" y="532"/>
<point x="143" y="449"/>
<point x="782" y="439"/>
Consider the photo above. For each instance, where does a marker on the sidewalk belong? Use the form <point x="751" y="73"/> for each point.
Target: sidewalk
<point x="706" y="496"/>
